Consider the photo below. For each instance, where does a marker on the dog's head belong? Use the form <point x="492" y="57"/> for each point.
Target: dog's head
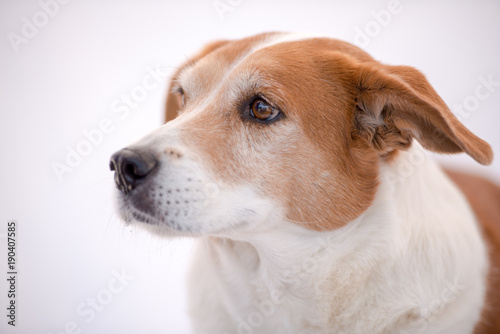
<point x="280" y="127"/>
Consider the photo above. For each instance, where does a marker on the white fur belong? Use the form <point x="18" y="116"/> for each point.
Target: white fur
<point x="414" y="262"/>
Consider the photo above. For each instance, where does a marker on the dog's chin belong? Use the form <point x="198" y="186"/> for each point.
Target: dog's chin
<point x="158" y="226"/>
<point x="193" y="219"/>
<point x="153" y="223"/>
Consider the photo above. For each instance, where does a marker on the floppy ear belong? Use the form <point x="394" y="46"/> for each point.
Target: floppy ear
<point x="173" y="103"/>
<point x="396" y="103"/>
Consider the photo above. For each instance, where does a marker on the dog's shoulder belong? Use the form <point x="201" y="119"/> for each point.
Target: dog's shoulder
<point x="484" y="198"/>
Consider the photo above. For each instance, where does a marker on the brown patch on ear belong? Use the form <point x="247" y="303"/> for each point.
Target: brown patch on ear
<point x="396" y="104"/>
<point x="173" y="103"/>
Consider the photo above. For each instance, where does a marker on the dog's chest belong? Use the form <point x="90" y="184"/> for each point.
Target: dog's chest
<point x="276" y="307"/>
<point x="255" y="297"/>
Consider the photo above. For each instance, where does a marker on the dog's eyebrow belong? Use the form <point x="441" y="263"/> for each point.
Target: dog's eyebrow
<point x="247" y="81"/>
<point x="184" y="72"/>
<point x="176" y="87"/>
<point x="184" y="79"/>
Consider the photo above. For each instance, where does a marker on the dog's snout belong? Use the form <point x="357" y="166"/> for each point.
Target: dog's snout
<point x="131" y="167"/>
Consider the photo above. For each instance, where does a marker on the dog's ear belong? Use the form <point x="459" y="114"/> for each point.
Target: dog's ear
<point x="174" y="102"/>
<point x="396" y="103"/>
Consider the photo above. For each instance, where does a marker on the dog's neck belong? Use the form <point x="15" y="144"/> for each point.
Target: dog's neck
<point x="398" y="261"/>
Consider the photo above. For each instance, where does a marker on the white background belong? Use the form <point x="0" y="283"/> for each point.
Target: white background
<point x="67" y="76"/>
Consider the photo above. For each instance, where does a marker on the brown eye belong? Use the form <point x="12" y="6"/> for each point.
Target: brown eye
<point x="182" y="96"/>
<point x="261" y="110"/>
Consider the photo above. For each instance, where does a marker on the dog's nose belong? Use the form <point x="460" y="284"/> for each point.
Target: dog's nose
<point x="131" y="167"/>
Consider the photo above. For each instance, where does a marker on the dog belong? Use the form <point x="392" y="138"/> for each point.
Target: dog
<point x="299" y="164"/>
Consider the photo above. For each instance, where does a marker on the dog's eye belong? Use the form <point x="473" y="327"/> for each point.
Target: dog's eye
<point x="179" y="91"/>
<point x="263" y="111"/>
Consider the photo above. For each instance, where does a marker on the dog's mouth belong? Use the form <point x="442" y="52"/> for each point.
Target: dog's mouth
<point x="152" y="221"/>
<point x="172" y="205"/>
<point x="130" y="215"/>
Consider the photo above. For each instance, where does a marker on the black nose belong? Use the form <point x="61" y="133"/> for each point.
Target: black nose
<point x="131" y="167"/>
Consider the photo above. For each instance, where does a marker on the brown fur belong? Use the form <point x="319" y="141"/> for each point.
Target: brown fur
<point x="484" y="197"/>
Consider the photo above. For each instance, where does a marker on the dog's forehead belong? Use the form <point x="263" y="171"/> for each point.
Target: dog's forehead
<point x="228" y="58"/>
<point x="248" y="58"/>
<point x="211" y="67"/>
